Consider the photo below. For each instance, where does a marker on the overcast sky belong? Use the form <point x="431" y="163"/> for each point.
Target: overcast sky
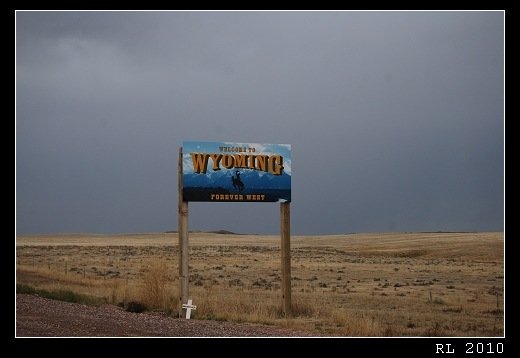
<point x="395" y="118"/>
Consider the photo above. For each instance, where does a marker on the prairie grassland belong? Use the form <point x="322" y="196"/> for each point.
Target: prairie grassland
<point x="397" y="284"/>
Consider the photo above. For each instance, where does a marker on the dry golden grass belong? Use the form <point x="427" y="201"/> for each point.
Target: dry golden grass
<point x="398" y="284"/>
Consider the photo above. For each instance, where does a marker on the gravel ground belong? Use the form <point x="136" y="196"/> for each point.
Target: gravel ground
<point x="42" y="317"/>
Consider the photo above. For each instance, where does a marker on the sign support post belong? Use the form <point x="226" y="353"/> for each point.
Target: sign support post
<point x="285" y="234"/>
<point x="184" y="274"/>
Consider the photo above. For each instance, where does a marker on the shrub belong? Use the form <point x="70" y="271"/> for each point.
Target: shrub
<point x="135" y="307"/>
<point x="438" y="301"/>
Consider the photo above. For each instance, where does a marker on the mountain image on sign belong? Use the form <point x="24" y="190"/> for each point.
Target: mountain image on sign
<point x="224" y="171"/>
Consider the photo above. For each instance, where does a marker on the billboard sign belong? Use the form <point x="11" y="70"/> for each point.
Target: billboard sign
<point x="234" y="172"/>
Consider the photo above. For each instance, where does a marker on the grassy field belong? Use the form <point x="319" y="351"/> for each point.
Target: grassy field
<point x="388" y="284"/>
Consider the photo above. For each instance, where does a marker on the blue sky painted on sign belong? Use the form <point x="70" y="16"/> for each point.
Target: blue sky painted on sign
<point x="396" y="119"/>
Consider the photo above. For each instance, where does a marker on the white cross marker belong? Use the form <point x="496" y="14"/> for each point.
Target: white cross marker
<point x="189" y="307"/>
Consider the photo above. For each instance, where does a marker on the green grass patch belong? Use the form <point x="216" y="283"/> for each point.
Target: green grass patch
<point x="21" y="288"/>
<point x="61" y="295"/>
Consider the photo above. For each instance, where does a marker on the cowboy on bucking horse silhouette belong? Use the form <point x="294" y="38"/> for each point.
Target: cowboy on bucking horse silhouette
<point x="237" y="182"/>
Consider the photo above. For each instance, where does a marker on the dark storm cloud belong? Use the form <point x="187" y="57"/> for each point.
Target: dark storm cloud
<point x="396" y="118"/>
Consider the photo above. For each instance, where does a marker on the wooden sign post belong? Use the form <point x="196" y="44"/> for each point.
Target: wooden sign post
<point x="184" y="274"/>
<point x="285" y="234"/>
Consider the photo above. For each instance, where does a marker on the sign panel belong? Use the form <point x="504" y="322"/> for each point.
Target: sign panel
<point x="224" y="171"/>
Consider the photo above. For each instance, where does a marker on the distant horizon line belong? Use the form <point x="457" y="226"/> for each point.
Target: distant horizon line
<point x="227" y="232"/>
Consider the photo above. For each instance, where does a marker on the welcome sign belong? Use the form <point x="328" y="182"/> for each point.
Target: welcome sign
<point x="228" y="171"/>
